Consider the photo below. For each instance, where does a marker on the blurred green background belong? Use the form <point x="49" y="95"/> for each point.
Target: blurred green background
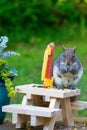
<point x="32" y="24"/>
<point x="31" y="20"/>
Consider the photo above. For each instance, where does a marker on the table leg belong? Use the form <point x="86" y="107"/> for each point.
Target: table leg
<point x="54" y="103"/>
<point x="21" y="121"/>
<point x="67" y="112"/>
<point x="49" y="124"/>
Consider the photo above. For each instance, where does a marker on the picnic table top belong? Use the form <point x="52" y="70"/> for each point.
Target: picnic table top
<point x="51" y="92"/>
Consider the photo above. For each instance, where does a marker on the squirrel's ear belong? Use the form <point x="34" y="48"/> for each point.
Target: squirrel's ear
<point x="74" y="49"/>
<point x="63" y="48"/>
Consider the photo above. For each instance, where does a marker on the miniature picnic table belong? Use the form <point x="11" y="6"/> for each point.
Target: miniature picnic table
<point x="44" y="106"/>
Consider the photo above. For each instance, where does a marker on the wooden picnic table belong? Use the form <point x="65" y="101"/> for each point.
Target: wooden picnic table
<point x="44" y="106"/>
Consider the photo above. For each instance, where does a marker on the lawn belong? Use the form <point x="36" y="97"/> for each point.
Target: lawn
<point x="29" y="63"/>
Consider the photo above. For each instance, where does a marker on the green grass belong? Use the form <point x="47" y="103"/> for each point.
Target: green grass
<point x="29" y="63"/>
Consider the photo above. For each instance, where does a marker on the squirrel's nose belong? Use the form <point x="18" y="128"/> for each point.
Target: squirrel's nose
<point x="68" y="64"/>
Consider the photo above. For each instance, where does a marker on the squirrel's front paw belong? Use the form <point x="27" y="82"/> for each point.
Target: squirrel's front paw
<point x="63" y="67"/>
<point x="74" y="68"/>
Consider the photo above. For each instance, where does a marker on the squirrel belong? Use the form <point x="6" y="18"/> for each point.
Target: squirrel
<point x="67" y="70"/>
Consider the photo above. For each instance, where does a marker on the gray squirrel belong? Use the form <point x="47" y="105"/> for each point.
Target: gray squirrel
<point x="67" y="70"/>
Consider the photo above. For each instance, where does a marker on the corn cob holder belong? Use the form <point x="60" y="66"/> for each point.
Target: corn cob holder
<point x="47" y="76"/>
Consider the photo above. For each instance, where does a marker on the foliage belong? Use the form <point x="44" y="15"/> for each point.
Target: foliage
<point x="27" y="16"/>
<point x="6" y="74"/>
<point x="5" y="77"/>
<point x="3" y="45"/>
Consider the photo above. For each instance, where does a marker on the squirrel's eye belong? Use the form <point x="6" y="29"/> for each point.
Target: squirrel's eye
<point x="64" y="56"/>
<point x="73" y="56"/>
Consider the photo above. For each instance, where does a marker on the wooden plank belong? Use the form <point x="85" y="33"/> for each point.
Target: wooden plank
<point x="52" y="103"/>
<point x="29" y="96"/>
<point x="79" y="105"/>
<point x="49" y="124"/>
<point x="31" y="110"/>
<point x="22" y="121"/>
<point x="67" y="112"/>
<point x="14" y="118"/>
<point x="82" y="102"/>
<point x="47" y="99"/>
<point x="36" y="121"/>
<point x="51" y="92"/>
<point x="55" y="103"/>
<point x="59" y="116"/>
<point x="37" y="100"/>
<point x="24" y="101"/>
<point x="19" y="120"/>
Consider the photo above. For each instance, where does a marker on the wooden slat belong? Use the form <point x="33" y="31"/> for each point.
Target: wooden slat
<point x="49" y="124"/>
<point x="36" y="121"/>
<point x="29" y="89"/>
<point x="79" y="105"/>
<point x="30" y="110"/>
<point x="21" y="121"/>
<point x="14" y="118"/>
